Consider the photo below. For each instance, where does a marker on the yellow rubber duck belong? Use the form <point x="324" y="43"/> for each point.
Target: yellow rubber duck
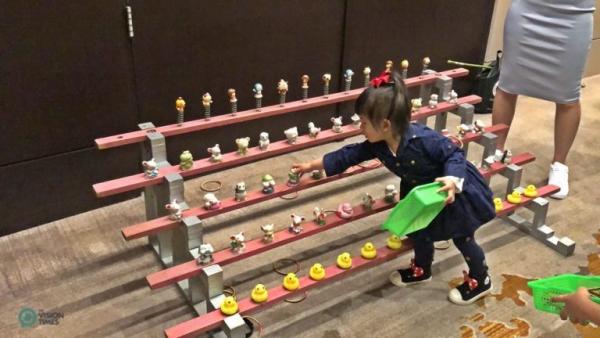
<point x="259" y="293"/>
<point x="514" y="197"/>
<point x="530" y="191"/>
<point x="394" y="242"/>
<point x="229" y="306"/>
<point x="317" y="272"/>
<point x="344" y="261"/>
<point x="498" y="204"/>
<point x="291" y="282"/>
<point x="368" y="251"/>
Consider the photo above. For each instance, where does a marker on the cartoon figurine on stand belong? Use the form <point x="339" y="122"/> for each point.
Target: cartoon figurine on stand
<point x="206" y="101"/>
<point x="317" y="174"/>
<point x="344" y="260"/>
<point x="426" y="62"/>
<point x="345" y="211"/>
<point x="180" y="106"/>
<point x="390" y="193"/>
<point x="433" y="101"/>
<point x="268" y="184"/>
<point x="304" y="79"/>
<point x="367" y="201"/>
<point x="355" y="120"/>
<point x="263" y="140"/>
<point x="282" y="89"/>
<point x="293" y="178"/>
<point x="215" y="153"/>
<point x="367" y="74"/>
<point x="337" y="124"/>
<point x="348" y="79"/>
<point x="258" y="95"/>
<point x="268" y="233"/>
<point x="296" y="226"/>
<point x="174" y="209"/>
<point x="211" y="202"/>
<point x="237" y="242"/>
<point x="240" y="191"/>
<point x="404" y="66"/>
<point x="416" y="104"/>
<point x="312" y="130"/>
<point x="453" y="97"/>
<point x="320" y="216"/>
<point x="186" y="160"/>
<point x="242" y="144"/>
<point x="205" y="254"/>
<point x="463" y="129"/>
<point x="478" y="126"/>
<point x="326" y="78"/>
<point x="150" y="168"/>
<point x="291" y="134"/>
<point x="232" y="100"/>
<point x="388" y="66"/>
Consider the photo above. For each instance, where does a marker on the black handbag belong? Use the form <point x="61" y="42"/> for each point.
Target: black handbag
<point x="486" y="82"/>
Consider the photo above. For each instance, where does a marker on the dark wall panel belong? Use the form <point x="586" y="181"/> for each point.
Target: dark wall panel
<point x="66" y="76"/>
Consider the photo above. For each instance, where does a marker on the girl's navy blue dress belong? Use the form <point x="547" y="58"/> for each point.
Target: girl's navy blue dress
<point x="422" y="156"/>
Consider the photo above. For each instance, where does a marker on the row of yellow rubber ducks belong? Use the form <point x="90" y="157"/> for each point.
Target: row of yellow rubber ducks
<point x="515" y="197"/>
<point x="317" y="272"/>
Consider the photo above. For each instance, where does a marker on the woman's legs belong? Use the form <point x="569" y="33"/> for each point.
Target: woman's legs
<point x="503" y="112"/>
<point x="566" y="124"/>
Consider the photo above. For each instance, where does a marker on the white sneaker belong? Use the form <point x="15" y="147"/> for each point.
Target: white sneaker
<point x="559" y="176"/>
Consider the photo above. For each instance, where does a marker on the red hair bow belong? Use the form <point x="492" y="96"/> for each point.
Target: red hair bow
<point x="383" y="78"/>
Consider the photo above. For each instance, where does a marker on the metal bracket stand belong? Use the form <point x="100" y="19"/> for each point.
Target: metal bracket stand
<point x="465" y="111"/>
<point x="425" y="93"/>
<point x="443" y="86"/>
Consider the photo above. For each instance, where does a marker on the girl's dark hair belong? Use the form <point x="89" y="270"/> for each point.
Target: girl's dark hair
<point x="388" y="101"/>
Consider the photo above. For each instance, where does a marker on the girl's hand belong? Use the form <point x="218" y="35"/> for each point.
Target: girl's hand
<point x="300" y="168"/>
<point x="448" y="186"/>
<point x="575" y="304"/>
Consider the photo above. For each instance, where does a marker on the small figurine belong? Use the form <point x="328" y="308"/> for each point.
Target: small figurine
<point x="296" y="226"/>
<point x="344" y="261"/>
<point x="150" y="168"/>
<point x="259" y="294"/>
<point x="282" y="89"/>
<point x="180" y="106"/>
<point x="463" y="129"/>
<point x="317" y="272"/>
<point x="186" y="160"/>
<point x="268" y="184"/>
<point x="211" y="202"/>
<point x="304" y="79"/>
<point x="367" y="74"/>
<point x="368" y="251"/>
<point x="478" y="126"/>
<point x="320" y="216"/>
<point x="268" y="233"/>
<point x="530" y="191"/>
<point x="293" y="178"/>
<point x="206" y="101"/>
<point x="232" y="100"/>
<point x="348" y="79"/>
<point x="503" y="156"/>
<point x="355" y="120"/>
<point x="390" y="193"/>
<point x="345" y="211"/>
<point x="291" y="134"/>
<point x="317" y="174"/>
<point x="326" y="78"/>
<point x="205" y="254"/>
<point x="237" y="242"/>
<point x="367" y="201"/>
<point x="394" y="242"/>
<point x="426" y="62"/>
<point x="291" y="282"/>
<point x="215" y="153"/>
<point x="263" y="141"/>
<point x="242" y="144"/>
<point x="498" y="205"/>
<point x="453" y="97"/>
<point x="337" y="124"/>
<point x="416" y="104"/>
<point x="514" y="197"/>
<point x="404" y="65"/>
<point x="312" y="130"/>
<point x="388" y="66"/>
<point x="433" y="101"/>
<point x="174" y="209"/>
<point x="258" y="95"/>
<point x="229" y="306"/>
<point x="240" y="191"/>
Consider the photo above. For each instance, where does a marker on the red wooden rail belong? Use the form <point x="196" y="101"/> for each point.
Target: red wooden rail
<point x="164" y="223"/>
<point x="227" y="119"/>
<point x="214" y="319"/>
<point x="189" y="269"/>
<point x="204" y="165"/>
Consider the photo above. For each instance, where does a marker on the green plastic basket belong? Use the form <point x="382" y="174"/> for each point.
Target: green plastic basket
<point x="544" y="289"/>
<point x="416" y="210"/>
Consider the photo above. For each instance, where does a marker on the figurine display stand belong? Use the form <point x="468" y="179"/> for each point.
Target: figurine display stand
<point x="177" y="242"/>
